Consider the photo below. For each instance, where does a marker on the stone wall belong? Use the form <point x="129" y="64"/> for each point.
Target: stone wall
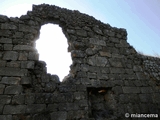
<point x="107" y="78"/>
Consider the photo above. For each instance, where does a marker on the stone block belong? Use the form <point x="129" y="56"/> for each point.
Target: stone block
<point x="62" y="107"/>
<point x="114" y="40"/>
<point x="14" y="89"/>
<point x="124" y="98"/>
<point x="1" y="109"/>
<point x="33" y="56"/>
<point x="13" y="71"/>
<point x="23" y="48"/>
<point x="97" y="61"/>
<point x="8" y="26"/>
<point x="2" y="63"/>
<point x="29" y="98"/>
<point x="72" y="106"/>
<point x="82" y="33"/>
<point x="14" y="109"/>
<point x="131" y="89"/>
<point x="26" y="80"/>
<point x="11" y="80"/>
<point x="52" y="107"/>
<point x="26" y="28"/>
<point x="97" y="30"/>
<point x="96" y="41"/>
<point x="18" y="35"/>
<point x="61" y="115"/>
<point x="102" y="76"/>
<point x="91" y="75"/>
<point x="117" y="70"/>
<point x="105" y="54"/>
<point x="5" y="40"/>
<point x="18" y="99"/>
<point x="146" y="90"/>
<point x="23" y="56"/>
<point x="141" y="76"/>
<point x="3" y="18"/>
<point x="5" y="33"/>
<point x="8" y="46"/>
<point x="145" y="98"/>
<point x="117" y="90"/>
<point x="2" y="88"/>
<point x="10" y="55"/>
<point x="35" y="108"/>
<point x="77" y="54"/>
<point x="15" y="64"/>
<point x="71" y="31"/>
<point x="156" y="98"/>
<point x="137" y="68"/>
<point x="27" y="64"/>
<point x="5" y="117"/>
<point x="79" y="95"/>
<point x="115" y="62"/>
<point x="5" y="99"/>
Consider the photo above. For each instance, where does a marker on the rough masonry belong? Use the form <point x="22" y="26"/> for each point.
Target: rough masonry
<point x="107" y="78"/>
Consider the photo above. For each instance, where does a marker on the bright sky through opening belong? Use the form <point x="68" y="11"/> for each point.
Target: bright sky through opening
<point x="52" y="48"/>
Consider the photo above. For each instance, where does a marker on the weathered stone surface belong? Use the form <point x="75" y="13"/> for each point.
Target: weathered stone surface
<point x="2" y="88"/>
<point x="26" y="80"/>
<point x="10" y="55"/>
<point x="117" y="70"/>
<point x="11" y="80"/>
<point x="29" y="98"/>
<point x="145" y="98"/>
<point x="23" y="47"/>
<point x="14" y="64"/>
<point x="97" y="61"/>
<point x="106" y="54"/>
<point x="27" y="64"/>
<point x="115" y="62"/>
<point x="15" y="89"/>
<point x="8" y="26"/>
<point x="131" y="89"/>
<point x="97" y="30"/>
<point x="26" y="28"/>
<point x="1" y="108"/>
<point x="77" y="54"/>
<point x="59" y="115"/>
<point x="146" y="90"/>
<point x="18" y="99"/>
<point x="23" y="56"/>
<point x="3" y="18"/>
<point x="5" y="99"/>
<point x="33" y="56"/>
<point x="13" y="71"/>
<point x="5" y="40"/>
<point x="81" y="33"/>
<point x="14" y="109"/>
<point x="8" y="46"/>
<point x="5" y="117"/>
<point x="35" y="108"/>
<point x="2" y="63"/>
<point x="97" y="42"/>
<point x="5" y="33"/>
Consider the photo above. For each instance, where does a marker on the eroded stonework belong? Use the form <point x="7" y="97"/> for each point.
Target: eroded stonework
<point x="107" y="78"/>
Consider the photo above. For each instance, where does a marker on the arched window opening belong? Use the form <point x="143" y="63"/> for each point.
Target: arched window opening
<point x="52" y="48"/>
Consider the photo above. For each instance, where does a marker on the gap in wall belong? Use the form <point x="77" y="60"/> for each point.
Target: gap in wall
<point x="52" y="48"/>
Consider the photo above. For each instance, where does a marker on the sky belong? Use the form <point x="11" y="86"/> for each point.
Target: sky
<point x="139" y="17"/>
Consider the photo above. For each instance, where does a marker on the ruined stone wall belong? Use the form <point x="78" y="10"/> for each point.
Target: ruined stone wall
<point x="107" y="78"/>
